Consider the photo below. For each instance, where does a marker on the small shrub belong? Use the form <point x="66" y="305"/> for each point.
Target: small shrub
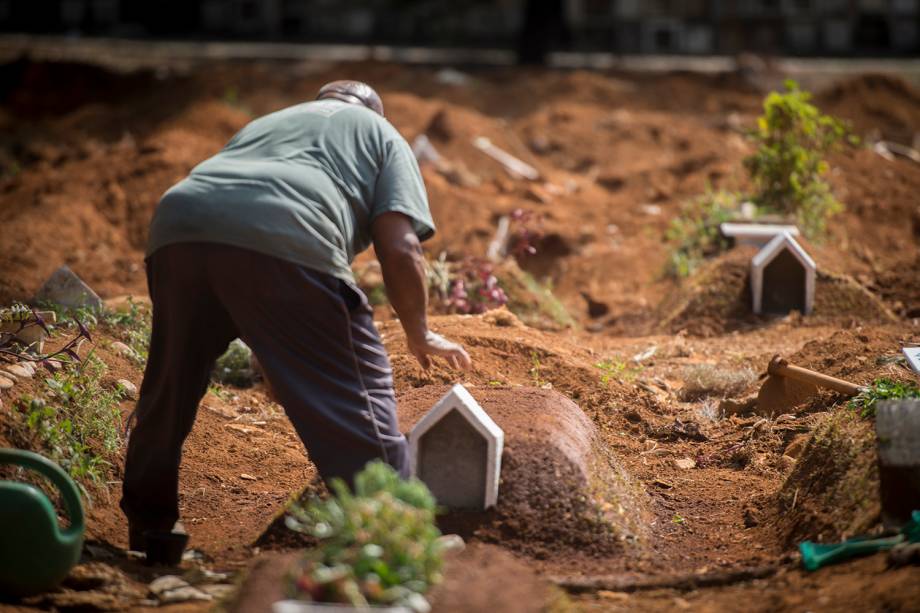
<point x="882" y="389"/>
<point x="695" y="233"/>
<point x="793" y="137"/>
<point x="378" y="545"/>
<point x="234" y="367"/>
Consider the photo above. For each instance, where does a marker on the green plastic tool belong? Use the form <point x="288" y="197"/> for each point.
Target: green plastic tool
<point x="814" y="555"/>
<point x="35" y="553"/>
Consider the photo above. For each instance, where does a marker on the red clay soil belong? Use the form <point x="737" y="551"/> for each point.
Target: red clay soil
<point x="85" y="154"/>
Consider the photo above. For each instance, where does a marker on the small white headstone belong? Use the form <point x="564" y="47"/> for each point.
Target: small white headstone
<point x="757" y="234"/>
<point x="782" y="277"/>
<point x="64" y="287"/>
<point x="913" y="357"/>
<point x="456" y="451"/>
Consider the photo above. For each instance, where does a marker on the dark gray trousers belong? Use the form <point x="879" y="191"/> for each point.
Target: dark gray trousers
<point x="315" y="338"/>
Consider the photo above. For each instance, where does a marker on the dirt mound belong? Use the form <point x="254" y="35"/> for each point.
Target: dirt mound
<point x="717" y="299"/>
<point x="503" y="583"/>
<point x="899" y="287"/>
<point x="846" y="354"/>
<point x="832" y="493"/>
<point x="85" y="200"/>
<point x="560" y="488"/>
<point x="879" y="103"/>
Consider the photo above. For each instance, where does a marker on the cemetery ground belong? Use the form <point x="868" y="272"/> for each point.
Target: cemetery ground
<point x="669" y="492"/>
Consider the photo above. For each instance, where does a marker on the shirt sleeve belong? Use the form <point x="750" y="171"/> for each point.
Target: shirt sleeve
<point x="401" y="189"/>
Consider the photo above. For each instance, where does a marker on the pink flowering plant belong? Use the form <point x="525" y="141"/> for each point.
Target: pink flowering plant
<point x="474" y="289"/>
<point x="528" y="230"/>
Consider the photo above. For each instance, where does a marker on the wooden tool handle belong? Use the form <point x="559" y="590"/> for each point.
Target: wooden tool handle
<point x="780" y="367"/>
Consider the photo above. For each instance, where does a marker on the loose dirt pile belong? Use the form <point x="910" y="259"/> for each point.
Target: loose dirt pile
<point x="560" y="489"/>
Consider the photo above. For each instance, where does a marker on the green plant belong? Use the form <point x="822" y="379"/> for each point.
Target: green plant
<point x="377" y="295"/>
<point x="378" y="545"/>
<point x="132" y="327"/>
<point x="536" y="369"/>
<point x="695" y="232"/>
<point x="616" y="369"/>
<point x="881" y="389"/>
<point x="546" y="302"/>
<point x="235" y="366"/>
<point x="793" y="137"/>
<point x="77" y="421"/>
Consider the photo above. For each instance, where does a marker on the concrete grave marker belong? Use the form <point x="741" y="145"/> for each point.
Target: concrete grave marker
<point x="64" y="287"/>
<point x="756" y="234"/>
<point x="913" y="357"/>
<point x="456" y="450"/>
<point x="897" y="426"/>
<point x="782" y="277"/>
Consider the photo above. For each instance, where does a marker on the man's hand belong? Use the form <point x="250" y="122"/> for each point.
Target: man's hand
<point x="403" y="269"/>
<point x="432" y="344"/>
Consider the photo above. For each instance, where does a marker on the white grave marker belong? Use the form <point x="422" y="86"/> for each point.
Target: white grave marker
<point x="782" y="277"/>
<point x="757" y="234"/>
<point x="456" y="451"/>
<point x="913" y="357"/>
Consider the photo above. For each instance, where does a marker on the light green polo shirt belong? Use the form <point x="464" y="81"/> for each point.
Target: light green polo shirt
<point x="303" y="184"/>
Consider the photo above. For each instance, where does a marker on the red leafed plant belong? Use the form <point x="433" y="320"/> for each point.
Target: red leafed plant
<point x="28" y="317"/>
<point x="528" y="230"/>
<point x="475" y="289"/>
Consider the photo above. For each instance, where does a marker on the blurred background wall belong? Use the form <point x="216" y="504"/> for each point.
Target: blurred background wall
<point x="533" y="27"/>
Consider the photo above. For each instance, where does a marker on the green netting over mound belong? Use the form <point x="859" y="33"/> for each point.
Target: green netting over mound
<point x="717" y="299"/>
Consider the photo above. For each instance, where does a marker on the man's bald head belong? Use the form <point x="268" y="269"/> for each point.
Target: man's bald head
<point x="353" y="92"/>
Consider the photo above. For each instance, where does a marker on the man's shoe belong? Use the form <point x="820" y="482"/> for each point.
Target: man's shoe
<point x="163" y="547"/>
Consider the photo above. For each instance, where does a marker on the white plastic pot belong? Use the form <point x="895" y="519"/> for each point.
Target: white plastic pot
<point x="302" y="606"/>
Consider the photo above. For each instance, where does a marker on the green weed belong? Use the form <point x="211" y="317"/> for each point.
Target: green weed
<point x="77" y="422"/>
<point x="536" y="369"/>
<point x="882" y="389"/>
<point x="695" y="233"/>
<point x="615" y="369"/>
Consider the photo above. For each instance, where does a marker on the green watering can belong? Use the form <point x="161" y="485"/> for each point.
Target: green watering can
<point x="35" y="554"/>
<point x="814" y="556"/>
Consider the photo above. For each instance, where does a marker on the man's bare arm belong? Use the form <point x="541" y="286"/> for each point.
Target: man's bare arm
<point x="403" y="267"/>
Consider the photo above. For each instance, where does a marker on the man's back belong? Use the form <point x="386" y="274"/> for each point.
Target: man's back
<point x="302" y="184"/>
